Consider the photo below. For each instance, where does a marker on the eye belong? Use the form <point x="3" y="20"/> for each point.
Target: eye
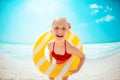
<point x="63" y="28"/>
<point x="56" y="28"/>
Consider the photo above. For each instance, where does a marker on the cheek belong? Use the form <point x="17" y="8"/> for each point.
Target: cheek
<point x="53" y="33"/>
<point x="66" y="33"/>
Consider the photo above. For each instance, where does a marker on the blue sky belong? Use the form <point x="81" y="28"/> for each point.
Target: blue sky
<point x="23" y="21"/>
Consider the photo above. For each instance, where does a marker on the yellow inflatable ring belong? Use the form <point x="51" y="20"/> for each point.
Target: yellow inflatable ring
<point x="54" y="70"/>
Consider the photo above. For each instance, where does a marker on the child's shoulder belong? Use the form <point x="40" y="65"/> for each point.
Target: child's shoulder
<point x="70" y="45"/>
<point x="50" y="43"/>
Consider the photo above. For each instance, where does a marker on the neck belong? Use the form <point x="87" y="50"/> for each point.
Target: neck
<point x="59" y="43"/>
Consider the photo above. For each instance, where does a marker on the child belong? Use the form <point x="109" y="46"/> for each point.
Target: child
<point x="60" y="48"/>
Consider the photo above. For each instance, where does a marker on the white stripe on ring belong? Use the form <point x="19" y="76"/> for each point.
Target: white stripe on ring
<point x="49" y="70"/>
<point x="71" y="37"/>
<point x="65" y="68"/>
<point x="42" y="43"/>
<point x="41" y="61"/>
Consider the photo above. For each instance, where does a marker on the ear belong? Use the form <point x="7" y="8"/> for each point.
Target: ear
<point x="69" y="25"/>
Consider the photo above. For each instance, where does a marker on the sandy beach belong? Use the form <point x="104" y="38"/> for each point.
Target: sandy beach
<point x="106" y="68"/>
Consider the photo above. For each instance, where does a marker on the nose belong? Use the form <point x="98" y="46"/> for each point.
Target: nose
<point x="60" y="31"/>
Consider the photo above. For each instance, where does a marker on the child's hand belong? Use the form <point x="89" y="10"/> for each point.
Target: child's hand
<point x="74" y="71"/>
<point x="50" y="61"/>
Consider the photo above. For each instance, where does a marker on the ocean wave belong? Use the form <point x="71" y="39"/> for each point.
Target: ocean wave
<point x="92" y="51"/>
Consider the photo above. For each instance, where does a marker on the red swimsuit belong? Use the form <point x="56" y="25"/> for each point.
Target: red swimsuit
<point x="60" y="58"/>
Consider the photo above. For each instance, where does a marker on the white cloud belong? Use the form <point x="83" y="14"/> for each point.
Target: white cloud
<point x="107" y="18"/>
<point x="107" y="9"/>
<point x="95" y="11"/>
<point x="94" y="6"/>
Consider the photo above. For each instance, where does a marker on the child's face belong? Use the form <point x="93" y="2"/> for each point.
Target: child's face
<point x="60" y="30"/>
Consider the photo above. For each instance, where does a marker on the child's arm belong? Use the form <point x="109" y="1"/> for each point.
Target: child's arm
<point x="50" y="57"/>
<point x="78" y="53"/>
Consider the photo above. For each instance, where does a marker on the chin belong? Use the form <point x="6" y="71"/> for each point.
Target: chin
<point x="60" y="39"/>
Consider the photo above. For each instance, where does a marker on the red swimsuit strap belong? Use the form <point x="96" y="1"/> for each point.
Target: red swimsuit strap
<point x="65" y="47"/>
<point x="53" y="47"/>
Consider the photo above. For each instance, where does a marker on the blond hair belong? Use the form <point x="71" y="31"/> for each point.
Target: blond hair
<point x="59" y="19"/>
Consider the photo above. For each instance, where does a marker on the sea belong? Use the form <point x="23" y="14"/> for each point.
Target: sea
<point x="23" y="52"/>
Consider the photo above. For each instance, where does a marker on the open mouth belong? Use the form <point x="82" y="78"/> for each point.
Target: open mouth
<point x="59" y="36"/>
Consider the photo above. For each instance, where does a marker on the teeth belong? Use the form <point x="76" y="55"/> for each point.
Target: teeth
<point x="59" y="36"/>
